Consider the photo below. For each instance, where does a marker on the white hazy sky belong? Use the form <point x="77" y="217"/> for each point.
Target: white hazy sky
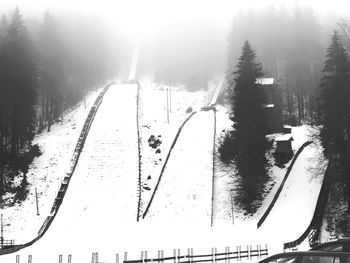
<point x="147" y="15"/>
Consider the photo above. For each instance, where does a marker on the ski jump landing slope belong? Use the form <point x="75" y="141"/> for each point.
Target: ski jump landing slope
<point x="102" y="195"/>
<point x="294" y="208"/>
<point x="184" y="193"/>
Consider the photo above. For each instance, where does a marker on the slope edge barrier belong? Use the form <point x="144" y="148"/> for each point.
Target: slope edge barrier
<point x="139" y="151"/>
<point x="64" y="185"/>
<point x="213" y="176"/>
<point x="267" y="212"/>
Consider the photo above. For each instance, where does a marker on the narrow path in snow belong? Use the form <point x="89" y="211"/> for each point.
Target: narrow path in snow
<point x="184" y="194"/>
<point x="294" y="208"/>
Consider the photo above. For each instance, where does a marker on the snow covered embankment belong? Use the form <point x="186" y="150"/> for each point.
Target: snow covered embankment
<point x="46" y="173"/>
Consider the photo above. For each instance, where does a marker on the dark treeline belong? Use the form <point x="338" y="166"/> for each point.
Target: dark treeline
<point x="47" y="65"/>
<point x="312" y="66"/>
<point x="334" y="120"/>
<point x="290" y="46"/>
<point x="246" y="144"/>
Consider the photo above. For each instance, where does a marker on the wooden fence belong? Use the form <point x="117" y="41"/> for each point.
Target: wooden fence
<point x="189" y="257"/>
<point x="177" y="257"/>
<point x="6" y="243"/>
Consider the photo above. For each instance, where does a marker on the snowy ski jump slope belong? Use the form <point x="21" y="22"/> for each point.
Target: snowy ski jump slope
<point x="217" y="91"/>
<point x="184" y="193"/>
<point x="103" y="191"/>
<point x="293" y="210"/>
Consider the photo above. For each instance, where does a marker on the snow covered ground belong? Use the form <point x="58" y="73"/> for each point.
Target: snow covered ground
<point x="154" y="121"/>
<point x="98" y="213"/>
<point x="295" y="206"/>
<point x="45" y="173"/>
<point x="102" y="196"/>
<point x="184" y="193"/>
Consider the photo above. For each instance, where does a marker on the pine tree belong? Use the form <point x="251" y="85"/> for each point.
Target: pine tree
<point x="247" y="141"/>
<point x="20" y="80"/>
<point x="3" y="102"/>
<point x="51" y="71"/>
<point x="335" y="108"/>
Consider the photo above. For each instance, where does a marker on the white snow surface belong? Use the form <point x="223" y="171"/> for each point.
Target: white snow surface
<point x="46" y="173"/>
<point x="186" y="181"/>
<point x="98" y="213"/>
<point x="102" y="195"/>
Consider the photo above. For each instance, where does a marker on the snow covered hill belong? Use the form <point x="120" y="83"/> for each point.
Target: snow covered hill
<point x="98" y="213"/>
<point x="102" y="195"/>
<point x="184" y="193"/>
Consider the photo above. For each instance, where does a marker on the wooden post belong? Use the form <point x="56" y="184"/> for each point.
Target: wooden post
<point x="37" y="202"/>
<point x="215" y="252"/>
<point x="175" y="257"/>
<point x="92" y="258"/>
<point x="17" y="258"/>
<point x="70" y="258"/>
<point x="178" y="255"/>
<point x="142" y="260"/>
<point x="167" y="104"/>
<point x="146" y="255"/>
<point x="117" y="258"/>
<point x="2" y="233"/>
<point x="162" y="255"/>
<point x="96" y="257"/>
<point x="192" y="254"/>
<point x="170" y="97"/>
<point x="259" y="251"/>
<point x="212" y="255"/>
<point x="29" y="258"/>
<point x="238" y="254"/>
<point x="60" y="259"/>
<point x="228" y="253"/>
<point x="232" y="214"/>
<point x="125" y="256"/>
<point x="158" y="255"/>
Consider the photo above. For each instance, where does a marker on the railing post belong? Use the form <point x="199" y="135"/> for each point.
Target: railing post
<point x="142" y="260"/>
<point x="125" y="256"/>
<point x="117" y="258"/>
<point x="178" y="255"/>
<point x="69" y="258"/>
<point x="60" y="259"/>
<point x="29" y="258"/>
<point x="92" y="258"/>
<point x="158" y="255"/>
<point x="175" y="257"/>
<point x="228" y="254"/>
<point x="17" y="258"/>
<point x="162" y="255"/>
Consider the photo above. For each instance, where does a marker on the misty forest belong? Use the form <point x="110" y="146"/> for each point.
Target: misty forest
<point x="283" y="105"/>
